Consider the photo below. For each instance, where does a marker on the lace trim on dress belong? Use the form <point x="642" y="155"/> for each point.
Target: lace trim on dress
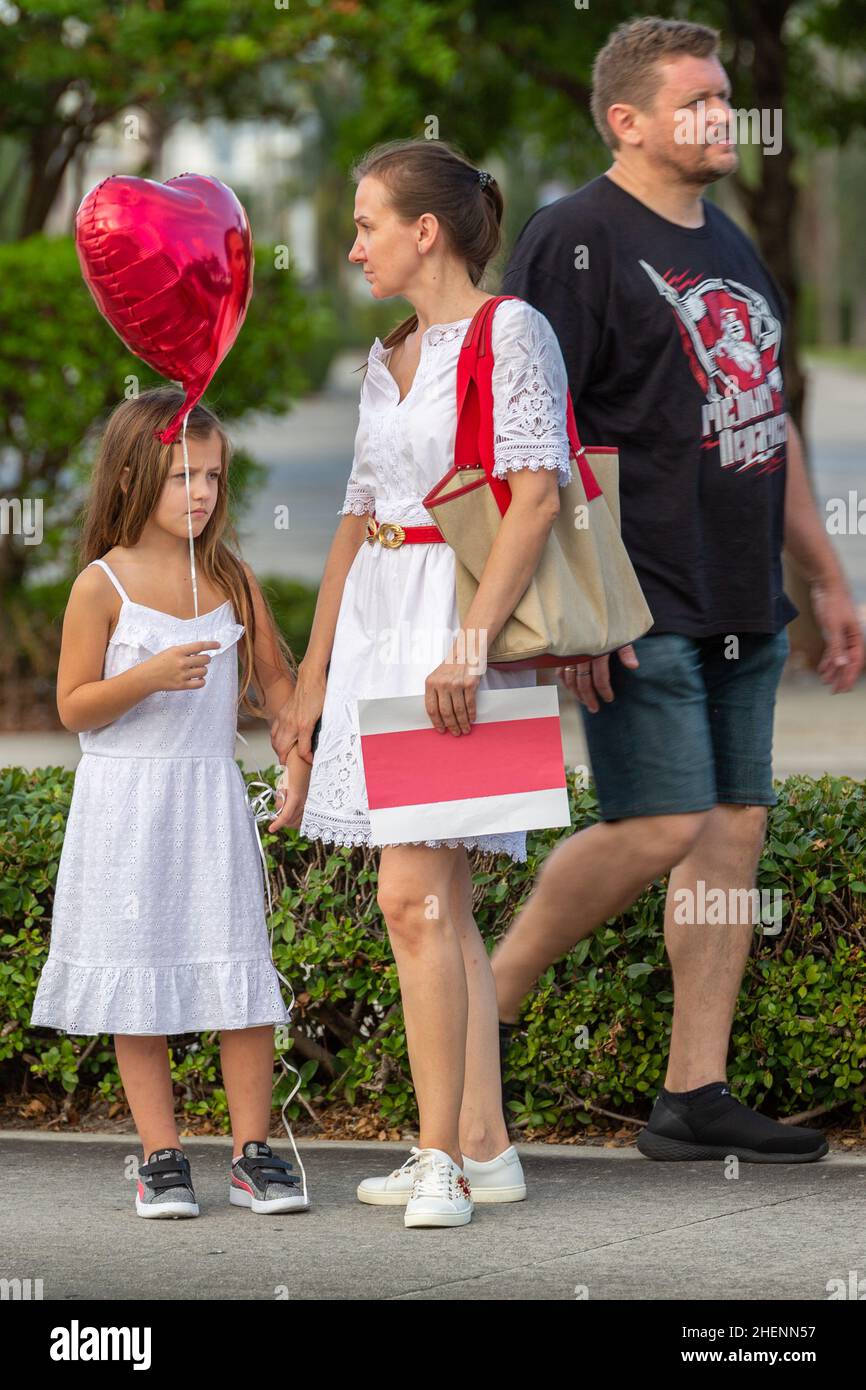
<point x="317" y="825"/>
<point x="360" y="501"/>
<point x="448" y="333"/>
<point x="522" y="460"/>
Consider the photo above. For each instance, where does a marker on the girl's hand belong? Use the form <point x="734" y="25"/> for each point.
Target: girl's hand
<point x="179" y="668"/>
<point x="449" y="696"/>
<point x="291" y="793"/>
<point x="294" y="725"/>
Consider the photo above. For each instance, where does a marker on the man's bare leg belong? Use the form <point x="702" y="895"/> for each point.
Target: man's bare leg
<point x="693" y="1117"/>
<point x="587" y="878"/>
<point x="708" y="960"/>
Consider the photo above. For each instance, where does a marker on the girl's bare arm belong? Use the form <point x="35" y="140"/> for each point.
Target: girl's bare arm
<point x="273" y="678"/>
<point x="86" y="701"/>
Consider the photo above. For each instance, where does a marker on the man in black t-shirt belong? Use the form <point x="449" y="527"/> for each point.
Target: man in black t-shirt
<point x="671" y="330"/>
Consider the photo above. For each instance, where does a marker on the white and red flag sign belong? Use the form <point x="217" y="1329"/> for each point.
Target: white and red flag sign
<point x="507" y="774"/>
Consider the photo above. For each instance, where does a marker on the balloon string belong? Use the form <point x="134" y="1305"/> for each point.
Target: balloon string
<point x="189" y="515"/>
<point x="260" y="812"/>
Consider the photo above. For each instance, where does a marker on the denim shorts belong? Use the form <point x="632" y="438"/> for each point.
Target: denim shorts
<point x="692" y="727"/>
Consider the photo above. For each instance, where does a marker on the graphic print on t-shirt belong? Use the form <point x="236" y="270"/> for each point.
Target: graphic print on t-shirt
<point x="731" y="340"/>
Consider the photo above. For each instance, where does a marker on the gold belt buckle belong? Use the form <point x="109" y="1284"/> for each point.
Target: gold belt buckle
<point x="388" y="533"/>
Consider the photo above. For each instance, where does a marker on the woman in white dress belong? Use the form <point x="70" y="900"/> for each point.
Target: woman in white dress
<point x="387" y="623"/>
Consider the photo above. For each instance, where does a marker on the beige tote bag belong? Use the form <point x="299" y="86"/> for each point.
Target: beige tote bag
<point x="584" y="599"/>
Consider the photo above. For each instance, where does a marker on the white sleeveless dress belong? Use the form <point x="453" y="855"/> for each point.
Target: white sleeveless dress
<point x="399" y="607"/>
<point x="158" y="923"/>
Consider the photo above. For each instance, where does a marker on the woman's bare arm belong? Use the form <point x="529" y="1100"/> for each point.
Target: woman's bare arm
<point x="348" y="539"/>
<point x="297" y="718"/>
<point x="514" y="554"/>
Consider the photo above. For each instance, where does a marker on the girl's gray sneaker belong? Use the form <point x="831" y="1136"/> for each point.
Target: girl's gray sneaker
<point x="265" y="1183"/>
<point x="165" y="1185"/>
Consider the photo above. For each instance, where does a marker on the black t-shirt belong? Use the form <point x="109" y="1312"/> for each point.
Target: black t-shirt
<point x="671" y="337"/>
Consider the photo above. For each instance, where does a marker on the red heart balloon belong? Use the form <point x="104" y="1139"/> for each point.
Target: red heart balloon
<point x="170" y="266"/>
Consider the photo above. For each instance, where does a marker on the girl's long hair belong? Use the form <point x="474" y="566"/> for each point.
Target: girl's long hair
<point x="113" y="517"/>
<point x="433" y="176"/>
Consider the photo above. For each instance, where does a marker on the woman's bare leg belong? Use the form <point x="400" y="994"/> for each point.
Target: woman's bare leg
<point x="415" y="895"/>
<point x="483" y="1132"/>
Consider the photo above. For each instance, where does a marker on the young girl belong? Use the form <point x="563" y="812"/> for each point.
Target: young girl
<point x="428" y="223"/>
<point x="158" y="925"/>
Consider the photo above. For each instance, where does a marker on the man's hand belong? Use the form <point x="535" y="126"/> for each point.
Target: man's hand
<point x="589" y="679"/>
<point x="837" y="618"/>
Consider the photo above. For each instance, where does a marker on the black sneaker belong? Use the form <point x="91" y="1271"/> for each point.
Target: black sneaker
<point x="165" y="1185"/>
<point x="713" y="1124"/>
<point x="264" y="1183"/>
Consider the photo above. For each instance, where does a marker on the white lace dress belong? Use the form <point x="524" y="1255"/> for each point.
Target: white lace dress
<point x="158" y="923"/>
<point x="399" y="613"/>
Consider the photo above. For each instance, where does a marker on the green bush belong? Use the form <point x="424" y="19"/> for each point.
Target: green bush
<point x="799" y="1036"/>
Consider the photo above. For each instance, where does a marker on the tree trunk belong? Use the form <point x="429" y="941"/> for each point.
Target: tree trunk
<point x="772" y="206"/>
<point x="48" y="157"/>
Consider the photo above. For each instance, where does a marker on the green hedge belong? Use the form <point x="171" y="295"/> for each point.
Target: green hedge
<point x="799" y="1037"/>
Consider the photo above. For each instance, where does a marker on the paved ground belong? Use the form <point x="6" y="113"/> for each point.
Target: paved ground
<point x="607" y="1222"/>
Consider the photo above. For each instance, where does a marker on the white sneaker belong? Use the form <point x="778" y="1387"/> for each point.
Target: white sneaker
<point x="394" y="1190"/>
<point x="498" y="1179"/>
<point x="440" y="1194"/>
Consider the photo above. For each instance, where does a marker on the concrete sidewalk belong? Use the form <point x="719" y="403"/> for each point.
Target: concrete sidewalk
<point x="604" y="1220"/>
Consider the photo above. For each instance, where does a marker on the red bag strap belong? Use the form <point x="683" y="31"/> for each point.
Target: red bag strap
<point x="474" y="439"/>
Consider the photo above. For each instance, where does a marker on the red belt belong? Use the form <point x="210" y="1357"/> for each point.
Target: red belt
<point x="392" y="534"/>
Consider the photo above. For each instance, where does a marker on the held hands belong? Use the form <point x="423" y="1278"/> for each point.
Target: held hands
<point x="449" y="695"/>
<point x="291" y="793"/>
<point x="297" y="719"/>
<point x="179" y="668"/>
<point x="591" y="678"/>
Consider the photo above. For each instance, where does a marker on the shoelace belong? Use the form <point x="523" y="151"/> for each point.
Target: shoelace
<point x="434" y="1177"/>
<point x="409" y="1163"/>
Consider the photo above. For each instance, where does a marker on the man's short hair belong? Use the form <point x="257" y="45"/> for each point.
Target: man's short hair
<point x="627" y="68"/>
